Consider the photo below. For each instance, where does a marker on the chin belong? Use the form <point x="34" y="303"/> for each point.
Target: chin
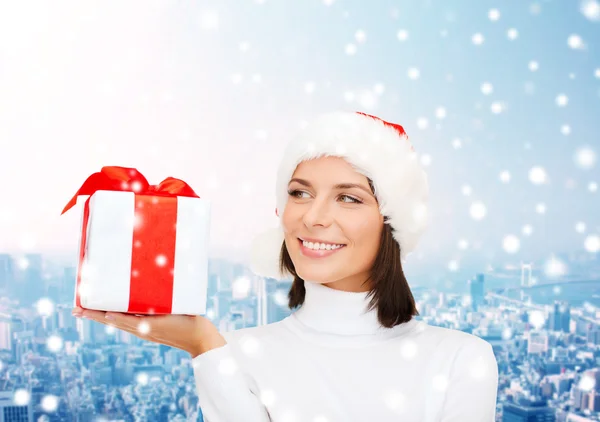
<point x="316" y="275"/>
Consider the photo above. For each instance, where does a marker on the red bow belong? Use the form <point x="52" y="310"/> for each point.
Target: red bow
<point x="129" y="179"/>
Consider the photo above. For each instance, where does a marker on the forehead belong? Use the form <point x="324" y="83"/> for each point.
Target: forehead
<point x="329" y="169"/>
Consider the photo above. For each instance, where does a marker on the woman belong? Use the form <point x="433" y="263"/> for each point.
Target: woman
<point x="354" y="204"/>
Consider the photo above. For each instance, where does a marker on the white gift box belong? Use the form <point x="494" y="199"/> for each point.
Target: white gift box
<point x="106" y="277"/>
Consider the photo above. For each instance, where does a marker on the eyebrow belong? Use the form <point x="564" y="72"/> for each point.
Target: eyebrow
<point x="337" y="187"/>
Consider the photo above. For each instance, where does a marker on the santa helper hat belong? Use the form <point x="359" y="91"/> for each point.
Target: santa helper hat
<point x="377" y="149"/>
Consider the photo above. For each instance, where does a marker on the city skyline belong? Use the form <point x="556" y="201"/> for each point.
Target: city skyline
<point x="550" y="341"/>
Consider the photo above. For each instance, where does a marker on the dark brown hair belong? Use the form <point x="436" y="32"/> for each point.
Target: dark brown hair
<point x="390" y="293"/>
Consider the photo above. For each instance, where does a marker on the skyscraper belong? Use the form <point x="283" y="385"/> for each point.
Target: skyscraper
<point x="477" y="291"/>
<point x="28" y="284"/>
<point x="6" y="270"/>
<point x="5" y="333"/>
<point x="262" y="301"/>
<point x="14" y="412"/>
<point x="527" y="412"/>
<point x="560" y="317"/>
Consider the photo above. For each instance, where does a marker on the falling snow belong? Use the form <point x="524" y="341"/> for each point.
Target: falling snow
<point x="413" y="73"/>
<point x="477" y="39"/>
<point x="512" y="34"/>
<point x="143" y="328"/>
<point x="49" y="403"/>
<point x="241" y="287"/>
<point x="591" y="10"/>
<point x="511" y="244"/>
<point x="54" y="343"/>
<point x="477" y="210"/>
<point x="592" y="243"/>
<point x="587" y="382"/>
<point x="537" y="175"/>
<point x="576" y="42"/>
<point x="487" y="88"/>
<point x="585" y="158"/>
<point x="537" y="319"/>
<point x="562" y="100"/>
<point x="492" y="103"/>
<point x="21" y="397"/>
<point x="555" y="267"/>
<point x="45" y="307"/>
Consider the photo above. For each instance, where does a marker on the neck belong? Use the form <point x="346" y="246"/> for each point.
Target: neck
<point x="336" y="311"/>
<point x="354" y="283"/>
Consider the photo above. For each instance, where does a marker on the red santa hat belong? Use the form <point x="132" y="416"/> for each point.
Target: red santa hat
<point x="377" y="149"/>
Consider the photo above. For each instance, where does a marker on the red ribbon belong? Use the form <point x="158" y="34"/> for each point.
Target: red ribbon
<point x="153" y="254"/>
<point x="129" y="180"/>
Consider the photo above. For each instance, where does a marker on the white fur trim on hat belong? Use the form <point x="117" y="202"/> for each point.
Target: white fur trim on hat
<point x="264" y="253"/>
<point x="374" y="149"/>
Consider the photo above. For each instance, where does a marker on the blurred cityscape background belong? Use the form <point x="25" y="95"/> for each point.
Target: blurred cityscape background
<point x="54" y="367"/>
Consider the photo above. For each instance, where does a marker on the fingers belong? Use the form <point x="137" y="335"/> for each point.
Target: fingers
<point x="128" y="320"/>
<point x="100" y="316"/>
<point x="115" y="319"/>
<point x="92" y="314"/>
<point x="139" y="326"/>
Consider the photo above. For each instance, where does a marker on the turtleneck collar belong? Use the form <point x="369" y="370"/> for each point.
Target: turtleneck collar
<point x="330" y="311"/>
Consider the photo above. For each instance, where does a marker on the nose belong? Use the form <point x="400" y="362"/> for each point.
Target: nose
<point x="318" y="213"/>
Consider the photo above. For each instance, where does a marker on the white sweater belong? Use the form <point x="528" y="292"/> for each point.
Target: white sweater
<point x="330" y="361"/>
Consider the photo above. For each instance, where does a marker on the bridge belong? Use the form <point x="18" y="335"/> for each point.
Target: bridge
<point x="545" y="285"/>
<point x="515" y="302"/>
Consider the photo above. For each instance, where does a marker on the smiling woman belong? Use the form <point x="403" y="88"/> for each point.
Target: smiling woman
<point x="353" y="201"/>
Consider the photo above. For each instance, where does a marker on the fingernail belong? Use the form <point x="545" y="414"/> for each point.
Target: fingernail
<point x="110" y="317"/>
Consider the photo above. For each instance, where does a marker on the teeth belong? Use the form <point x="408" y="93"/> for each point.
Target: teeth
<point x="320" y="246"/>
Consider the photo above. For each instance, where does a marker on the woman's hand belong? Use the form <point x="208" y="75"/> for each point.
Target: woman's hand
<point x="192" y="333"/>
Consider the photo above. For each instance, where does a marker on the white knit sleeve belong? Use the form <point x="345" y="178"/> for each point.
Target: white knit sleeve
<point x="473" y="384"/>
<point x="224" y="391"/>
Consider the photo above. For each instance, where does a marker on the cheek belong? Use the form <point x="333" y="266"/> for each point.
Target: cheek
<point x="365" y="233"/>
<point x="291" y="217"/>
<point x="289" y="223"/>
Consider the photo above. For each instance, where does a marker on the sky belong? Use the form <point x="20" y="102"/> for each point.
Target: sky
<point x="500" y="99"/>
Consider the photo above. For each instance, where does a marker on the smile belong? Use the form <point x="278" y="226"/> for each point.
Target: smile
<point x="318" y="249"/>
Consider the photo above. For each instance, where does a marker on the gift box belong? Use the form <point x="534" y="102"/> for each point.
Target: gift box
<point x="143" y="249"/>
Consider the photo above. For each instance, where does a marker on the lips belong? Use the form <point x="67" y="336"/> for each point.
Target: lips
<point x="318" y="253"/>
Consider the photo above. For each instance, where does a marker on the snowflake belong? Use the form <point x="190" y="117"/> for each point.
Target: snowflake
<point x="49" y="403"/>
<point x="477" y="210"/>
<point x="591" y="10"/>
<point x="511" y="244"/>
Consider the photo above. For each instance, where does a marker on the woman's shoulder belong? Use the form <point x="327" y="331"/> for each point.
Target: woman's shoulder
<point x="449" y="336"/>
<point x="452" y="343"/>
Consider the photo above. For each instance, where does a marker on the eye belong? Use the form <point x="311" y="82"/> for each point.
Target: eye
<point x="296" y="193"/>
<point x="351" y="199"/>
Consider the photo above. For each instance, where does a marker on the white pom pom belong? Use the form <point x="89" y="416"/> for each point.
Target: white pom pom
<point x="264" y="255"/>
